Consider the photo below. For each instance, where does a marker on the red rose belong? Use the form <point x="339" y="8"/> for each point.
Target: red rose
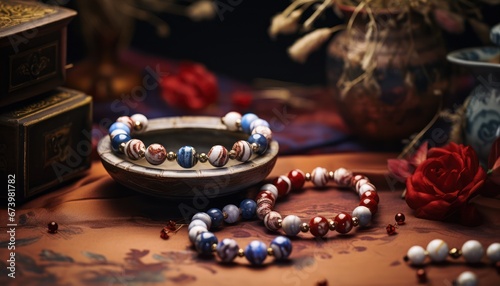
<point x="444" y="183"/>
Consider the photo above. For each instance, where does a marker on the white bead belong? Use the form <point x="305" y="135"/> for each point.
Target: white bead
<point x="437" y="250"/>
<point x="416" y="255"/>
<point x="493" y="252"/>
<point x="361" y="182"/>
<point x="203" y="217"/>
<point x="472" y="251"/>
<point x="197" y="222"/>
<point x="363" y="214"/>
<point x="142" y="120"/>
<point x="272" y="188"/>
<point x="365" y="188"/>
<point x="291" y="225"/>
<point x="233" y="213"/>
<point x="319" y="177"/>
<point x="195" y="231"/>
<point x="231" y="120"/>
<point x="342" y="177"/>
<point x="467" y="278"/>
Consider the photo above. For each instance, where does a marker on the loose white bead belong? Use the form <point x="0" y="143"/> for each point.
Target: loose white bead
<point x="493" y="252"/>
<point x="231" y="120"/>
<point x="363" y="214"/>
<point x="467" y="278"/>
<point x="291" y="225"/>
<point x="416" y="255"/>
<point x="272" y="188"/>
<point x="142" y="120"/>
<point x="195" y="231"/>
<point x="472" y="251"/>
<point x="437" y="250"/>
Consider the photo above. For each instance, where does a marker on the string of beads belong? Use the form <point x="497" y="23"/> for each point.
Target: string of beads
<point x="260" y="135"/>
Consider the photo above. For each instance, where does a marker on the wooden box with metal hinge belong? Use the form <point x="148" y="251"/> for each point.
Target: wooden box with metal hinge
<point x="32" y="49"/>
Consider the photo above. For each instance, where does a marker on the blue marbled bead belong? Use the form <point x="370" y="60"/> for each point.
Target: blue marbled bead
<point x="248" y="208"/>
<point x="204" y="242"/>
<point x="119" y="125"/>
<point x="227" y="249"/>
<point x="260" y="140"/>
<point x="233" y="213"/>
<point x="256" y="252"/>
<point x="186" y="157"/>
<point x="204" y="217"/>
<point x="258" y="122"/>
<point x="246" y="121"/>
<point x="282" y="247"/>
<point x="118" y="140"/>
<point x="217" y="217"/>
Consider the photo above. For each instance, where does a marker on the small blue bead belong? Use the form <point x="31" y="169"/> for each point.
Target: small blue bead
<point x="118" y="125"/>
<point x="258" y="122"/>
<point x="216" y="216"/>
<point x="186" y="157"/>
<point x="246" y="121"/>
<point x="227" y="249"/>
<point x="248" y="208"/>
<point x="256" y="252"/>
<point x="260" y="140"/>
<point x="282" y="247"/>
<point x="118" y="140"/>
<point x="204" y="242"/>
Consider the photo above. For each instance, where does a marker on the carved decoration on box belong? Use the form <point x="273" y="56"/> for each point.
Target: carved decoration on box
<point x="12" y="14"/>
<point x="30" y="108"/>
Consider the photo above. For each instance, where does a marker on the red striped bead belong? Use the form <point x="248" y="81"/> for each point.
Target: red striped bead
<point x="371" y="204"/>
<point x="265" y="196"/>
<point x="283" y="185"/>
<point x="370" y="195"/>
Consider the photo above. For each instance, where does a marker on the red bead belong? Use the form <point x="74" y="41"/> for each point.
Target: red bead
<point x="265" y="196"/>
<point x="171" y="225"/>
<point x="343" y="222"/>
<point x="370" y="195"/>
<point x="318" y="226"/>
<point x="164" y="233"/>
<point x="421" y="276"/>
<point x="297" y="178"/>
<point x="391" y="229"/>
<point x="52" y="226"/>
<point x="283" y="185"/>
<point x="356" y="178"/>
<point x="400" y="218"/>
<point x="370" y="204"/>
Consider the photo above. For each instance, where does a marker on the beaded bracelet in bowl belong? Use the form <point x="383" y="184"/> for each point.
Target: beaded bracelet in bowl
<point x="187" y="157"/>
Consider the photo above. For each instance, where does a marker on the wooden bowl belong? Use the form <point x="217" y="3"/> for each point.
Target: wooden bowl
<point x="169" y="180"/>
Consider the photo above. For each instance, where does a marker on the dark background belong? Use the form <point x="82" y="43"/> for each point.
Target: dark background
<point x="238" y="45"/>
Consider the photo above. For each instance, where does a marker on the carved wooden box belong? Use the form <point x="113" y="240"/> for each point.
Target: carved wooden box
<point x="32" y="49"/>
<point x="46" y="140"/>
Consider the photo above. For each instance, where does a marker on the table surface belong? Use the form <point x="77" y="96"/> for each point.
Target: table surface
<point x="109" y="235"/>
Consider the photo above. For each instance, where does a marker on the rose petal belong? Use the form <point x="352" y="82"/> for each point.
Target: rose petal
<point x="420" y="155"/>
<point x="399" y="169"/>
<point x="434" y="210"/>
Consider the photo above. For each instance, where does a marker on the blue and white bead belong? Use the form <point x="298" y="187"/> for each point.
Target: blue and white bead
<point x="227" y="249"/>
<point x="242" y="150"/>
<point x="256" y="252"/>
<point x="261" y="142"/>
<point x="186" y="157"/>
<point x="216" y="216"/>
<point x="116" y="132"/>
<point x="204" y="217"/>
<point x="218" y="156"/>
<point x="282" y="247"/>
<point x="119" y="140"/>
<point x="258" y="122"/>
<point x="232" y="213"/>
<point x="204" y="243"/>
<point x="248" y="208"/>
<point x="363" y="214"/>
<point x="119" y="125"/>
<point x="291" y="225"/>
<point x="246" y="120"/>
